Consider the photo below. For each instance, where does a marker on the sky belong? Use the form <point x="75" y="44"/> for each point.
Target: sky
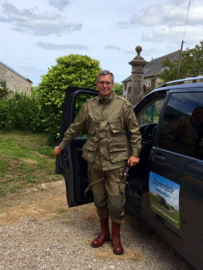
<point x="35" y="33"/>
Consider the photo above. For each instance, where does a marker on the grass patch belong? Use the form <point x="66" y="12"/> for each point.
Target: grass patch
<point x="3" y="168"/>
<point x="25" y="160"/>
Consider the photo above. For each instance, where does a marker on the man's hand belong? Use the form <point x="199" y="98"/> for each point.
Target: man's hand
<point x="132" y="161"/>
<point x="57" y="151"/>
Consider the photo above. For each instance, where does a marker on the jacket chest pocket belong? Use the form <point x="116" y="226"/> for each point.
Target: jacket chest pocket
<point x="89" y="151"/>
<point x="116" y="124"/>
<point x="93" y="124"/>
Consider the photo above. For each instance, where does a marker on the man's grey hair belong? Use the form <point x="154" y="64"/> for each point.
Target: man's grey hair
<point x="103" y="73"/>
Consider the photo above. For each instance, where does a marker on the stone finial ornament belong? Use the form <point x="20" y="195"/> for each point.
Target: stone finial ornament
<point x="137" y="78"/>
<point x="138" y="49"/>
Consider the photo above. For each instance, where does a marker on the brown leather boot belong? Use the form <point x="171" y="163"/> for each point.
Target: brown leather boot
<point x="104" y="234"/>
<point x="115" y="238"/>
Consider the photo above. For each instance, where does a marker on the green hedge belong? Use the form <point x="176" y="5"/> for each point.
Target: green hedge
<point x="22" y="112"/>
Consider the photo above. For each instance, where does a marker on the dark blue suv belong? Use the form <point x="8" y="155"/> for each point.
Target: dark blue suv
<point x="166" y="187"/>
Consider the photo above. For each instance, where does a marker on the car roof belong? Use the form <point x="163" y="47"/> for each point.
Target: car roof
<point x="164" y="89"/>
<point x="189" y="86"/>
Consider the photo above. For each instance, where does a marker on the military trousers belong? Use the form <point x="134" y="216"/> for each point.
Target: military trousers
<point x="108" y="188"/>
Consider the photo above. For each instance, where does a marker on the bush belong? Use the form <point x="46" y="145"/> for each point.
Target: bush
<point x="20" y="111"/>
<point x="73" y="70"/>
<point x="118" y="89"/>
<point x="3" y="91"/>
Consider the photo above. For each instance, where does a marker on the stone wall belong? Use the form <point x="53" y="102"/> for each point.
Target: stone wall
<point x="14" y="82"/>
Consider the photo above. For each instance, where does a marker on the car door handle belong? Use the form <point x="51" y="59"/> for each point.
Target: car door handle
<point x="158" y="159"/>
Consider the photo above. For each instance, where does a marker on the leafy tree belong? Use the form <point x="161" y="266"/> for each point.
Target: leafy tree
<point x="72" y="70"/>
<point x="191" y="63"/>
<point x="34" y="90"/>
<point x="118" y="89"/>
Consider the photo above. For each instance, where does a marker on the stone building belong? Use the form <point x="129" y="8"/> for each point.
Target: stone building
<point x="13" y="80"/>
<point x="151" y="69"/>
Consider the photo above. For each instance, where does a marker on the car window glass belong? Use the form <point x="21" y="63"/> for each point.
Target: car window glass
<point x="182" y="126"/>
<point x="151" y="113"/>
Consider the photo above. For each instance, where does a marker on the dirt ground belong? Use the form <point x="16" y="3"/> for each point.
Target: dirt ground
<point x="39" y="231"/>
<point x="45" y="200"/>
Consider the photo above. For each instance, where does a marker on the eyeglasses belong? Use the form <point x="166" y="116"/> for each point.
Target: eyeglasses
<point x="107" y="83"/>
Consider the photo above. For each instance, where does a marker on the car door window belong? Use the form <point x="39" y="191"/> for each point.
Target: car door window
<point x="182" y="126"/>
<point x="151" y="112"/>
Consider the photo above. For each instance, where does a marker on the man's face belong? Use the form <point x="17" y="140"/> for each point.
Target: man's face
<point x="105" y="85"/>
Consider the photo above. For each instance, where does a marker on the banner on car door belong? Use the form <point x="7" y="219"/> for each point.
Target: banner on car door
<point x="164" y="198"/>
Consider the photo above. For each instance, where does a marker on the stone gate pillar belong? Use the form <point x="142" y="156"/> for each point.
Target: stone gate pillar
<point x="137" y="78"/>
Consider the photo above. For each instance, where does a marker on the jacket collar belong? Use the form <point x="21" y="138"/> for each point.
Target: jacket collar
<point x="107" y="99"/>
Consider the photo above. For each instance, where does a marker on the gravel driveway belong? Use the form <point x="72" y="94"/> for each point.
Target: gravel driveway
<point x="39" y="231"/>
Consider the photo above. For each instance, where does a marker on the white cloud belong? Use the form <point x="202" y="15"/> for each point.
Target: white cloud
<point x="38" y="24"/>
<point x="172" y="13"/>
<point x="174" y="34"/>
<point x="123" y="24"/>
<point x="52" y="46"/>
<point x="129" y="52"/>
<point x="76" y="27"/>
<point x="3" y="19"/>
<point x="112" y="48"/>
<point x="166" y="21"/>
<point x="59" y="4"/>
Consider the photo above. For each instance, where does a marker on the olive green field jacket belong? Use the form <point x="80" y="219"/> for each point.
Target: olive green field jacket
<point x="106" y="120"/>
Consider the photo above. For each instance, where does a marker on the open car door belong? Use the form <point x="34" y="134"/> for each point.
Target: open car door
<point x="70" y="162"/>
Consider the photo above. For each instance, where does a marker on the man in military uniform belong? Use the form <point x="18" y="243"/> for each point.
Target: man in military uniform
<point x="107" y="152"/>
